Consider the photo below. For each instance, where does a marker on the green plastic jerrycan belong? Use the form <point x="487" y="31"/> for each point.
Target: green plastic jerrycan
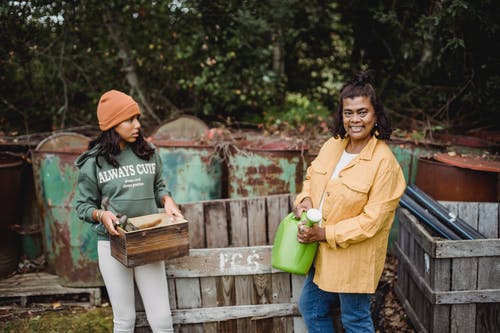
<point x="288" y="254"/>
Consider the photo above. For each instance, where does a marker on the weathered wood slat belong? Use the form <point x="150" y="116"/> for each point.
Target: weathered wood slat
<point x="463" y="318"/>
<point x="222" y="261"/>
<point x="277" y="208"/>
<point x="238" y="215"/>
<point x="488" y="272"/>
<point x="281" y="294"/>
<point x="257" y="221"/>
<point x="193" y="212"/>
<point x="245" y="294"/>
<point x="470" y="214"/>
<point x="209" y="299"/>
<point x="488" y="219"/>
<point x="415" y="320"/>
<point x="417" y="232"/>
<point x="467" y="248"/>
<point x="216" y="223"/>
<point x="23" y="286"/>
<point x="224" y="313"/>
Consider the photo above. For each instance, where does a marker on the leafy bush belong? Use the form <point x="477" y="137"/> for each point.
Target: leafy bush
<point x="297" y="113"/>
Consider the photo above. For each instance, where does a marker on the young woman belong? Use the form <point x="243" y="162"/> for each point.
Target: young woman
<point x="122" y="167"/>
<point x="356" y="182"/>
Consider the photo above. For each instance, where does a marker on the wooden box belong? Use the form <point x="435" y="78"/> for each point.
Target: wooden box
<point x="167" y="240"/>
<point x="450" y="286"/>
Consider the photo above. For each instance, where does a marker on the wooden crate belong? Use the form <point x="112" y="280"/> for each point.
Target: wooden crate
<point x="168" y="240"/>
<point x="450" y="286"/>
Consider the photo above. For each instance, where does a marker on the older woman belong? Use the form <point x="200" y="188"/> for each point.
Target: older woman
<point x="356" y="182"/>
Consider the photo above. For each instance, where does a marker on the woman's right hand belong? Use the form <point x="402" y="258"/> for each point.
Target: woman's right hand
<point x="303" y="206"/>
<point x="109" y="220"/>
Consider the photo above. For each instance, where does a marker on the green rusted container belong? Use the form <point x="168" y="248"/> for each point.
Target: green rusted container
<point x="265" y="168"/>
<point x="192" y="171"/>
<point x="70" y="245"/>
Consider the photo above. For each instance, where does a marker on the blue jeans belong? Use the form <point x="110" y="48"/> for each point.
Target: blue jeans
<point x="316" y="307"/>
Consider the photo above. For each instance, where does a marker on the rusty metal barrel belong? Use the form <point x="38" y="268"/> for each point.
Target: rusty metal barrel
<point x="192" y="171"/>
<point x="70" y="244"/>
<point x="444" y="178"/>
<point x="257" y="168"/>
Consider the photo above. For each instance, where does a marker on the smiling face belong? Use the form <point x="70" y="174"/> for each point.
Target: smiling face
<point x="358" y="116"/>
<point x="128" y="130"/>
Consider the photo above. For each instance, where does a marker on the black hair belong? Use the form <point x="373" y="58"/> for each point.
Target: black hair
<point x="108" y="143"/>
<point x="361" y="86"/>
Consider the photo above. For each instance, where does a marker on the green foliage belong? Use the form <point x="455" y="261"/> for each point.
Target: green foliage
<point x="436" y="62"/>
<point x="298" y="113"/>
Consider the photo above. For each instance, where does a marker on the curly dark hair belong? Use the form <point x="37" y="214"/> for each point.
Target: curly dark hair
<point x="108" y="143"/>
<point x="361" y="86"/>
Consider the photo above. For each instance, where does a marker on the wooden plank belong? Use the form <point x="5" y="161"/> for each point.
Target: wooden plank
<point x="281" y="294"/>
<point x="226" y="297"/>
<point x="216" y="224"/>
<point x="416" y="296"/>
<point x="297" y="283"/>
<point x="24" y="286"/>
<point x="487" y="316"/>
<point x="193" y="212"/>
<point x="245" y="294"/>
<point x="223" y="313"/>
<point x="209" y="299"/>
<point x="189" y="296"/>
<point x="415" y="320"/>
<point x="463" y="318"/>
<point x="222" y="261"/>
<point x="467" y="296"/>
<point x="488" y="219"/>
<point x="277" y="209"/>
<point x="263" y="287"/>
<point x="238" y="222"/>
<point x="488" y="272"/>
<point x="469" y="212"/>
<point x="464" y="276"/>
<point x="467" y="248"/>
<point x="257" y="221"/>
<point x="417" y="231"/>
<point x="188" y="293"/>
<point x="439" y="320"/>
<point x="172" y="294"/>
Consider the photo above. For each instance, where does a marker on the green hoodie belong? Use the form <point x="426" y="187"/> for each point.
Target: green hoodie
<point x="134" y="188"/>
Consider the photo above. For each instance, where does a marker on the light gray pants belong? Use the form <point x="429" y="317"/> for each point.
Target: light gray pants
<point x="151" y="280"/>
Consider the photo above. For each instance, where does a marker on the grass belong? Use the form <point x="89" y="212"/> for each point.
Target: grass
<point x="70" y="320"/>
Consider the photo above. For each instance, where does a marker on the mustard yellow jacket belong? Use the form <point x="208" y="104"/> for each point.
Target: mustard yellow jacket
<point x="358" y="212"/>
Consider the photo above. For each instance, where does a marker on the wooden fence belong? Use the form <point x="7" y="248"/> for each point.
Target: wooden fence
<point x="227" y="283"/>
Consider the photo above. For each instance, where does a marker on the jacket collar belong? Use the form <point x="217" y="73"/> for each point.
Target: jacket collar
<point x="367" y="152"/>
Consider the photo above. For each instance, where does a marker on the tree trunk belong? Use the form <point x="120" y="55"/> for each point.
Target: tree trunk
<point x="128" y="64"/>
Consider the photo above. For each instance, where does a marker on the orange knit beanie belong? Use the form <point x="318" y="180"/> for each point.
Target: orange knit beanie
<point x="115" y="107"/>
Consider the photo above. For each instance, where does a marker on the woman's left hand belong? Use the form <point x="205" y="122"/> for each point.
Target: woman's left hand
<point x="171" y="207"/>
<point x="310" y="234"/>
